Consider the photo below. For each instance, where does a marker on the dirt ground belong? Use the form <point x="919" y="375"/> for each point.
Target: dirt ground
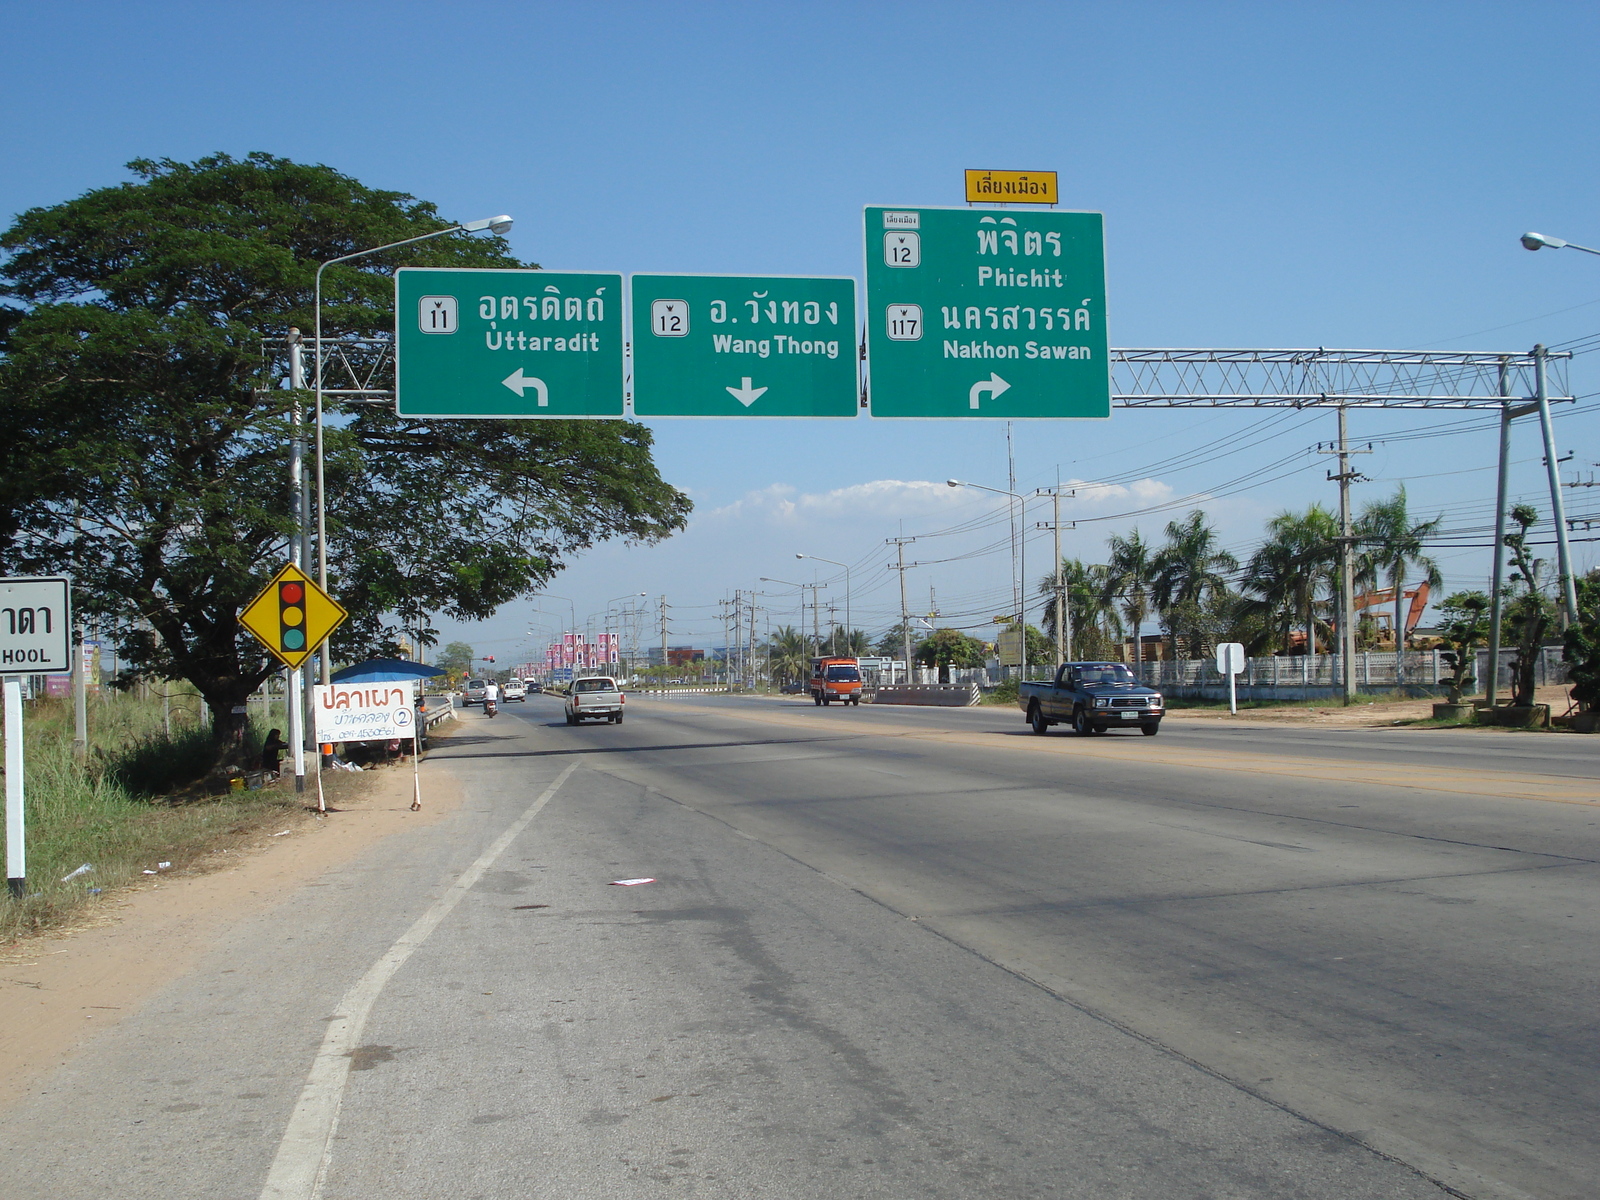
<point x="62" y="988"/>
<point x="1368" y="715"/>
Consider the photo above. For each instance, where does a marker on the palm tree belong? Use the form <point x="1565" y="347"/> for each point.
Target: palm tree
<point x="851" y="643"/>
<point x="1391" y="547"/>
<point x="789" y="652"/>
<point x="1130" y="575"/>
<point x="1189" y="570"/>
<point x="1299" y="556"/>
<point x="1091" y="611"/>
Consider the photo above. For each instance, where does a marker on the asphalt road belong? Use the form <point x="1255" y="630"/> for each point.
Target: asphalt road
<point x="894" y="953"/>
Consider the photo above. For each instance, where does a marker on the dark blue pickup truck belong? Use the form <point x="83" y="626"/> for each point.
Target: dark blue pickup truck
<point x="1093" y="697"/>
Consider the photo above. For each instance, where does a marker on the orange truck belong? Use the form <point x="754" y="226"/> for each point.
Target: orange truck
<point x="835" y="679"/>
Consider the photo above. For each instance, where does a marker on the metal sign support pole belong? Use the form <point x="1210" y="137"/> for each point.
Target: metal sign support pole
<point x="1569" y="587"/>
<point x="80" y="696"/>
<point x="295" y="680"/>
<point x="16" y="845"/>
<point x="1497" y="579"/>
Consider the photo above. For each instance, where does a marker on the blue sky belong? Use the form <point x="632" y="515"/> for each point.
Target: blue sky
<point x="1342" y="175"/>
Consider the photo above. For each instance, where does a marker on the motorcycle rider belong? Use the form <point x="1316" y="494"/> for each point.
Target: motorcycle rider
<point x="491" y="697"/>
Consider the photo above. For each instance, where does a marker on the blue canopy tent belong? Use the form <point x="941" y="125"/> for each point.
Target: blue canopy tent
<point x="385" y="670"/>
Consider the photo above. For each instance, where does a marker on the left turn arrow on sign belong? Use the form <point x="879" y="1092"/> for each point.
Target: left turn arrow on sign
<point x="520" y="383"/>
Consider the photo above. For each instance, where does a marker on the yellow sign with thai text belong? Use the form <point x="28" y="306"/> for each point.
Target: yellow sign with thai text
<point x="1011" y="187"/>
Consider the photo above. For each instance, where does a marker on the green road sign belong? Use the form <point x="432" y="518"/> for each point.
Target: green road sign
<point x="507" y="343"/>
<point x="743" y="346"/>
<point x="986" y="313"/>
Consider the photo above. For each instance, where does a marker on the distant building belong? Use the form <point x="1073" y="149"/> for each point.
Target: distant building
<point x="677" y="656"/>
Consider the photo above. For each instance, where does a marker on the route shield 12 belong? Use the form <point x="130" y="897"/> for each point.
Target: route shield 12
<point x="744" y="346"/>
<point x="507" y="343"/>
<point x="986" y="313"/>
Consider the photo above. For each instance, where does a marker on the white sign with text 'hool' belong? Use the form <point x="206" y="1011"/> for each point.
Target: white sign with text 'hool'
<point x="35" y="625"/>
<point x="364" y="712"/>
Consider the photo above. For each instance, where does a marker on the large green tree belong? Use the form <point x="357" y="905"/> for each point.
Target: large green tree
<point x="946" y="648"/>
<point x="145" y="427"/>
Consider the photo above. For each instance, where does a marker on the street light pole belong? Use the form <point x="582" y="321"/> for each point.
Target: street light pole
<point x="819" y="558"/>
<point x="816" y="640"/>
<point x="1538" y="241"/>
<point x="496" y="225"/>
<point x="1569" y="587"/>
<point x="1022" y="558"/>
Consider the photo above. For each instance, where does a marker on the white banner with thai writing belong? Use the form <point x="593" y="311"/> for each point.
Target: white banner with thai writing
<point x="364" y="712"/>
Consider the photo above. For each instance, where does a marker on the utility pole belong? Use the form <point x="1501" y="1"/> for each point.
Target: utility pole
<point x="750" y="659"/>
<point x="663" y="643"/>
<point x="1063" y="619"/>
<point x="899" y="564"/>
<point x="1347" y="575"/>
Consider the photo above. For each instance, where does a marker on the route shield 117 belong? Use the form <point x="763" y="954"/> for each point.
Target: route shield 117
<point x="986" y="313"/>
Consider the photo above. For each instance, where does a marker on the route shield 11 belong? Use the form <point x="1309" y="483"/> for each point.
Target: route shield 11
<point x="507" y="343"/>
<point x="986" y="313"/>
<point x="744" y="346"/>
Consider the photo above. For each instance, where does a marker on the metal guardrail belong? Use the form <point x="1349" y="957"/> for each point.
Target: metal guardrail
<point x="444" y="709"/>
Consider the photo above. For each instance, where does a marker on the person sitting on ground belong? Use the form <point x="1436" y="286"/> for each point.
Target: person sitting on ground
<point x="272" y="751"/>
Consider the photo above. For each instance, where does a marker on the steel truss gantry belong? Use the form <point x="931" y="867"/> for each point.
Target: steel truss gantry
<point x="361" y="370"/>
<point x="1323" y="378"/>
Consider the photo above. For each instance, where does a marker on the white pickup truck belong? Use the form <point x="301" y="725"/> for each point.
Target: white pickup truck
<point x="594" y="698"/>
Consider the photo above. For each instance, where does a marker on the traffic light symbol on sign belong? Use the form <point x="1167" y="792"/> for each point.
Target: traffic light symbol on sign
<point x="291" y="616"/>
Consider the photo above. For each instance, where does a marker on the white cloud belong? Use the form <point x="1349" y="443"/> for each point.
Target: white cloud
<point x="877" y="500"/>
<point x="1142" y="493"/>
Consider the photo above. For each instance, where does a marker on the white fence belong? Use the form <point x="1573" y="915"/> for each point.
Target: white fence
<point x="1312" y="674"/>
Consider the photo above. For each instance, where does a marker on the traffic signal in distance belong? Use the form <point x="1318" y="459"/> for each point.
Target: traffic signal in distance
<point x="291" y="616"/>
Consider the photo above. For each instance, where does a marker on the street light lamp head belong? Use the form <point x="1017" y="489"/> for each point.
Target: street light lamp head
<point x="496" y="225"/>
<point x="1538" y="241"/>
<point x="953" y="482"/>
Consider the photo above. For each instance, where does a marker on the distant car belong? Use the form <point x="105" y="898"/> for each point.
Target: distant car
<point x="794" y="689"/>
<point x="515" y="689"/>
<point x="474" y="692"/>
<point x="595" y="698"/>
<point x="536" y="688"/>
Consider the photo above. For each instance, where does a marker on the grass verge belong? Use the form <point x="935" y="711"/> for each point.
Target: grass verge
<point x="136" y="800"/>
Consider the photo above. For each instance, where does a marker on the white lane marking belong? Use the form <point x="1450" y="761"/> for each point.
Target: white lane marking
<point x="303" y="1156"/>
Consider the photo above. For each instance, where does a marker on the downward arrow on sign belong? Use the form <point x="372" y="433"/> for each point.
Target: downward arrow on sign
<point x="746" y="395"/>
<point x="520" y="383"/>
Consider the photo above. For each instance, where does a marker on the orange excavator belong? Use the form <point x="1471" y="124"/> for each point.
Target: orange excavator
<point x="1384" y="598"/>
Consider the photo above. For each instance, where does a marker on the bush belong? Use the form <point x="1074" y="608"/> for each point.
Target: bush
<point x="1005" y="694"/>
<point x="159" y="763"/>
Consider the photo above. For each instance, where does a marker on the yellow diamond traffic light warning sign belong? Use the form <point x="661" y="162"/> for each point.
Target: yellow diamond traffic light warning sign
<point x="292" y="616"/>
